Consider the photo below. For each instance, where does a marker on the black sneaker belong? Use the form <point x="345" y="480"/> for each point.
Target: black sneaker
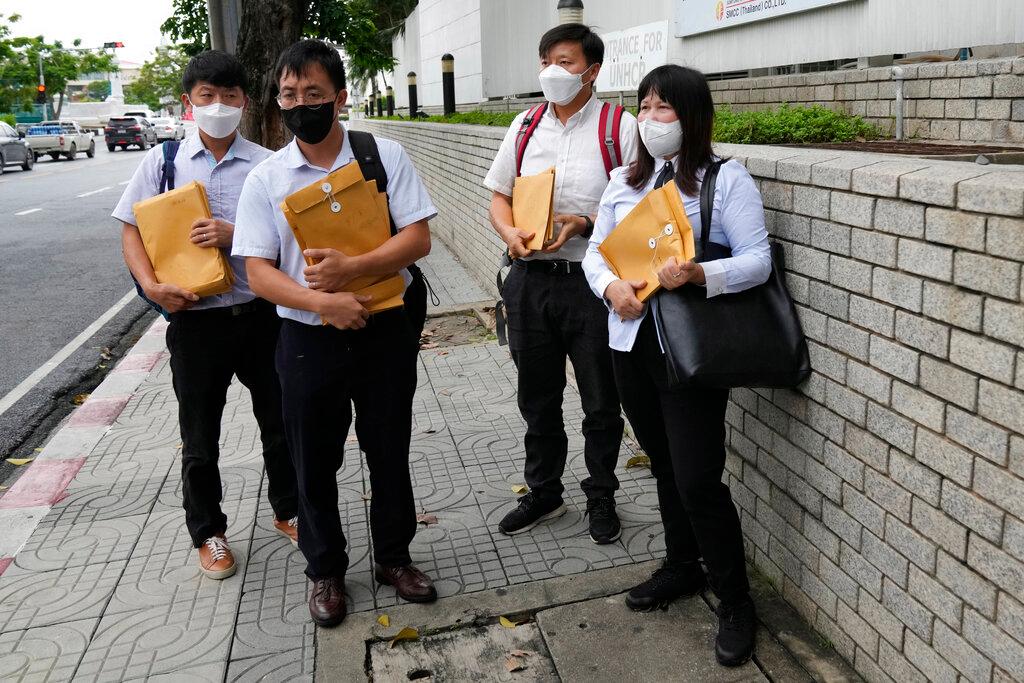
<point x="531" y="512"/>
<point x="737" y="625"/>
<point x="666" y="584"/>
<point x="604" y="523"/>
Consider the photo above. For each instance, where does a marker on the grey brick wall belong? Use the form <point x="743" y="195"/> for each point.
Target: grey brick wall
<point x="885" y="497"/>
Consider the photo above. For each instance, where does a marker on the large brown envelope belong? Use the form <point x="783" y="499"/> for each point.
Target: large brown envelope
<point x="655" y="230"/>
<point x="165" y="221"/>
<point x="343" y="211"/>
<point x="533" y="199"/>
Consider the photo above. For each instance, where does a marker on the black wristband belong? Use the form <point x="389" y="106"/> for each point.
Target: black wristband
<point x="589" y="230"/>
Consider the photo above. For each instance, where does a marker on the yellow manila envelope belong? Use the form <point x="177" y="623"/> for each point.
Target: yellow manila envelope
<point x="164" y="222"/>
<point x="655" y="230"/>
<point x="533" y="199"/>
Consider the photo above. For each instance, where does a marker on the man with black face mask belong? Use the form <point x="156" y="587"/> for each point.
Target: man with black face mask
<point x="332" y="352"/>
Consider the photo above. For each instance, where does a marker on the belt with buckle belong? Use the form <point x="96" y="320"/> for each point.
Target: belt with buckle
<point x="550" y="266"/>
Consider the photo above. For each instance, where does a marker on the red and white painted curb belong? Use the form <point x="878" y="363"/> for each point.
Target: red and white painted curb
<point x="48" y="476"/>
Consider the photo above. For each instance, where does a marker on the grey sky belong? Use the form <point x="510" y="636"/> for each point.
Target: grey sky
<point x="136" y="23"/>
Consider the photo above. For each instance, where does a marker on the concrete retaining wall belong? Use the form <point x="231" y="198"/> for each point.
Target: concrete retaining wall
<point x="885" y="498"/>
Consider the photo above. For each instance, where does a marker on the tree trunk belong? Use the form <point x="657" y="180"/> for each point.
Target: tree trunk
<point x="267" y="28"/>
<point x="60" y="104"/>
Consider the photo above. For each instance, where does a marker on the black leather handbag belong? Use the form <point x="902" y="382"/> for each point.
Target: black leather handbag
<point x="747" y="339"/>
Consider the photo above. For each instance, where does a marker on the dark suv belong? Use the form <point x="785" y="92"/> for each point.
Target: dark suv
<point x="123" y="131"/>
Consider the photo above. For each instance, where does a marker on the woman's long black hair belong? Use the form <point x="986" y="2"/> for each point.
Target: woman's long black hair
<point x="687" y="91"/>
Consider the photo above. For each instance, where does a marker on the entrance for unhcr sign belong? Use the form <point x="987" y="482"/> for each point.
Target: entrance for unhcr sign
<point x="702" y="16"/>
<point x="629" y="54"/>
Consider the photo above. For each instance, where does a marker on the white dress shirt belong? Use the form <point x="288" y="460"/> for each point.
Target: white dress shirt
<point x="261" y="229"/>
<point x="737" y="221"/>
<point x="223" y="181"/>
<point x="574" y="149"/>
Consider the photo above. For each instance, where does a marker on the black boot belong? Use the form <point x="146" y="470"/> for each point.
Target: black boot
<point x="737" y="625"/>
<point x="669" y="582"/>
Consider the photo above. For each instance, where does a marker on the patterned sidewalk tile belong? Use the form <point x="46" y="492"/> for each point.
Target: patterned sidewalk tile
<point x="190" y="639"/>
<point x="118" y="499"/>
<point x="131" y="464"/>
<point x="52" y="548"/>
<point x="18" y="525"/>
<point x="237" y="483"/>
<point x="292" y="666"/>
<point x="45" y="653"/>
<point x="46" y="598"/>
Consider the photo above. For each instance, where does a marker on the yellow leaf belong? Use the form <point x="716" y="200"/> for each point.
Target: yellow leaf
<point x="18" y="462"/>
<point x="407" y="633"/>
<point x="507" y="623"/>
<point x="519" y="489"/>
<point x="38" y="450"/>
<point x="638" y="461"/>
<point x="3" y="488"/>
<point x="384" y="620"/>
<point x="79" y="399"/>
<point x="513" y="664"/>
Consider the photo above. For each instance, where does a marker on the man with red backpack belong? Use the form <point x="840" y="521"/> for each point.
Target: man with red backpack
<point x="551" y="313"/>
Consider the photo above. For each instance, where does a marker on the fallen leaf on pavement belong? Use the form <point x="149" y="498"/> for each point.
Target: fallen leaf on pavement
<point x="428" y="333"/>
<point x="638" y="461"/>
<point x="407" y="633"/>
<point x="507" y="623"/>
<point x="442" y="353"/>
<point x="384" y="620"/>
<point x="519" y="653"/>
<point x="3" y="488"/>
<point x="519" y="488"/>
<point x="351" y="438"/>
<point x="105" y="354"/>
<point x="367" y="495"/>
<point x="513" y="664"/>
<point x="428" y="345"/>
<point x="38" y="450"/>
<point x="18" y="462"/>
<point x="79" y="399"/>
<point x="424" y="518"/>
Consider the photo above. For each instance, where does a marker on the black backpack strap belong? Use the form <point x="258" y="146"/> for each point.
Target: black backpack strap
<point x="170" y="149"/>
<point x="707" y="205"/>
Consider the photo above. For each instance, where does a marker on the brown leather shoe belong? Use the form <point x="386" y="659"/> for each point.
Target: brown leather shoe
<point x="215" y="558"/>
<point x="289" y="528"/>
<point x="410" y="583"/>
<point x="327" y="603"/>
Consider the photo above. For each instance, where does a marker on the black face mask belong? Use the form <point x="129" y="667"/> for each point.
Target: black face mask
<point x="308" y="124"/>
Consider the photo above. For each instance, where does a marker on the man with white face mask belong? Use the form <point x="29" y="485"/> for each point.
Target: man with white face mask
<point x="551" y="313"/>
<point x="216" y="337"/>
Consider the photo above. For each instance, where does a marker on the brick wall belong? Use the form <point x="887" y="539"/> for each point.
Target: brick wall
<point x="885" y="498"/>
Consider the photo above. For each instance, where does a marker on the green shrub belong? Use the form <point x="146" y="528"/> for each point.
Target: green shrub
<point x="790" y="125"/>
<point x="8" y="119"/>
<point x="474" y="118"/>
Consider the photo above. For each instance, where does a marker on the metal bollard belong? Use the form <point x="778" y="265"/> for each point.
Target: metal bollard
<point x="380" y="104"/>
<point x="897" y="74"/>
<point x="413" y="102"/>
<point x="448" y="83"/>
<point x="391" y="101"/>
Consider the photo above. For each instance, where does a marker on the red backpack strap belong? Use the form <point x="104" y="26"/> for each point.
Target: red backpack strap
<point x="526" y="128"/>
<point x="608" y="134"/>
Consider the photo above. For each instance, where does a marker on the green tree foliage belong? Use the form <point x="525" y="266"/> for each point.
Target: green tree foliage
<point x="19" y="66"/>
<point x="188" y="26"/>
<point x="159" y="78"/>
<point x="97" y="91"/>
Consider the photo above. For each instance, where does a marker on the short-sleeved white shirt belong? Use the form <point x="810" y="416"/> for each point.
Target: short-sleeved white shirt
<point x="261" y="229"/>
<point x="574" y="149"/>
<point x="223" y="181"/>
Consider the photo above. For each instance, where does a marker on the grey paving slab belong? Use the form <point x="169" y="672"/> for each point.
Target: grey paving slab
<point x="133" y="464"/>
<point x="90" y="502"/>
<point x="448" y="278"/>
<point x="237" y="483"/>
<point x="55" y="597"/>
<point x="190" y="639"/>
<point x="45" y="653"/>
<point x="19" y="524"/>
<point x="71" y="545"/>
<point x="295" y="665"/>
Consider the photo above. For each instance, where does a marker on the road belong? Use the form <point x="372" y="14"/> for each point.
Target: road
<point x="60" y="270"/>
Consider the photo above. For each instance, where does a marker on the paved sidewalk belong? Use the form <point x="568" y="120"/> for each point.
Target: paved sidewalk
<point x="103" y="584"/>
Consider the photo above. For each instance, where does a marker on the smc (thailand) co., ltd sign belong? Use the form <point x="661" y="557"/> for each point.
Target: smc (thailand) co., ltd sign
<point x="701" y="16"/>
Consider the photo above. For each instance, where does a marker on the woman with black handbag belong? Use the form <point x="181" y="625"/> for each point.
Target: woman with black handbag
<point x="681" y="427"/>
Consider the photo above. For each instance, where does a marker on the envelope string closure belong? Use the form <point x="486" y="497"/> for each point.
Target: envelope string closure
<point x="654" y="242"/>
<point x="329" y="197"/>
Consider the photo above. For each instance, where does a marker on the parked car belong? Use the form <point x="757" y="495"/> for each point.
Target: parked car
<point x="60" y="138"/>
<point x="123" y="131"/>
<point x="14" y="150"/>
<point x="168" y="128"/>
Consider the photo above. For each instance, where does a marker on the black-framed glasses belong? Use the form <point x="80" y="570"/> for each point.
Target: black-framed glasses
<point x="288" y="100"/>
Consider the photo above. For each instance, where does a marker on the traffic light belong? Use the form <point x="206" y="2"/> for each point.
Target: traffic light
<point x="112" y="45"/>
<point x="40" y="94"/>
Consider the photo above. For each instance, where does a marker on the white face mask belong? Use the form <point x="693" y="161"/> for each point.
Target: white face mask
<point x="561" y="86"/>
<point x="217" y="120"/>
<point x="661" y="139"/>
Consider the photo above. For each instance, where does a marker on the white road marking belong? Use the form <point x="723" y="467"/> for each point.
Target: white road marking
<point x="86" y="194"/>
<point x="46" y="368"/>
<point x="27" y="212"/>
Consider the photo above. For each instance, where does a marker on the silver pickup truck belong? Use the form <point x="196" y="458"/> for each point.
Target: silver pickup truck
<point x="60" y="138"/>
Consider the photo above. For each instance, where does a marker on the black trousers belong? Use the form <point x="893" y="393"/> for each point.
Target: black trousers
<point x="207" y="348"/>
<point x="682" y="430"/>
<point x="552" y="317"/>
<point x="324" y="371"/>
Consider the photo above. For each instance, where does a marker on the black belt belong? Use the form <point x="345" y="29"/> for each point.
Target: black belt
<point x="550" y="266"/>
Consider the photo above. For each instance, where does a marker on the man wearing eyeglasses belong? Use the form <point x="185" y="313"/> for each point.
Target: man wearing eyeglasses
<point x="353" y="358"/>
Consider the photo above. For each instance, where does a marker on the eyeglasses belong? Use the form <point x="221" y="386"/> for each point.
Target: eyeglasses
<point x="288" y="101"/>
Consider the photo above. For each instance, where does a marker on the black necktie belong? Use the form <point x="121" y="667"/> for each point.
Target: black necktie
<point x="667" y="173"/>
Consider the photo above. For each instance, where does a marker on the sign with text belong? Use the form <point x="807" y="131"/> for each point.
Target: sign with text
<point x="701" y="16"/>
<point x="630" y="54"/>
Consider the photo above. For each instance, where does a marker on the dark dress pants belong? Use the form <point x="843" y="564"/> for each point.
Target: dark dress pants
<point x="207" y="348"/>
<point x="324" y="372"/>
<point x="682" y="430"/>
<point x="551" y="317"/>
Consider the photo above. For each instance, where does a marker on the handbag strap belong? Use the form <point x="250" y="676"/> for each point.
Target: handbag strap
<point x="707" y="204"/>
